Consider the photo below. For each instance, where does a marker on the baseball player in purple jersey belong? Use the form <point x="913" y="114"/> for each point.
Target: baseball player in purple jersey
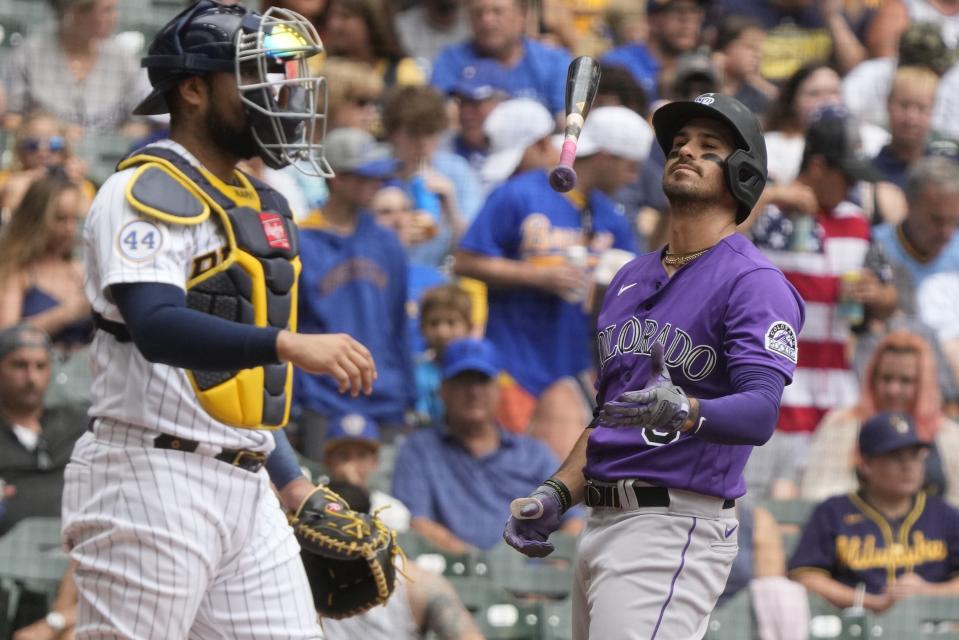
<point x="696" y="342"/>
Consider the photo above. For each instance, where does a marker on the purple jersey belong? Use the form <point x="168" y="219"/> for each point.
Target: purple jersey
<point x="854" y="542"/>
<point x="730" y="307"/>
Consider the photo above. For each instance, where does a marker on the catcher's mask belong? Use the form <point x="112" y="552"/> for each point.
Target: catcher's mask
<point x="268" y="54"/>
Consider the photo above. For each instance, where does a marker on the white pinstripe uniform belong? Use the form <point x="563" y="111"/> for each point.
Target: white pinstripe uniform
<point x="170" y="544"/>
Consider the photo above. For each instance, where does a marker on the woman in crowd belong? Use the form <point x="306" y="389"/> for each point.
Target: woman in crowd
<point x="813" y="86"/>
<point x="900" y="377"/>
<point x="75" y="70"/>
<point x="363" y="31"/>
<point x="40" y="279"/>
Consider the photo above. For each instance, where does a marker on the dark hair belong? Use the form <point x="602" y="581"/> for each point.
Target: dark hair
<point x="732" y="27"/>
<point x="446" y="296"/>
<point x="378" y="16"/>
<point x="782" y="114"/>
<point x="356" y="496"/>
<point x="416" y="109"/>
<point x="617" y="81"/>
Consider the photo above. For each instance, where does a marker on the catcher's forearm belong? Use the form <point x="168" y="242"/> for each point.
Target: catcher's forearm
<point x="570" y="472"/>
<point x="282" y="464"/>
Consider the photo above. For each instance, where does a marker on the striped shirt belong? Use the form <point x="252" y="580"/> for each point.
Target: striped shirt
<point x="813" y="258"/>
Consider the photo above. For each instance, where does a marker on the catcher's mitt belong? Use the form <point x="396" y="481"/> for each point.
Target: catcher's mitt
<point x="348" y="555"/>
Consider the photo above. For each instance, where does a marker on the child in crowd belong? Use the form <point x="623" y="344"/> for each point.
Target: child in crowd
<point x="445" y="315"/>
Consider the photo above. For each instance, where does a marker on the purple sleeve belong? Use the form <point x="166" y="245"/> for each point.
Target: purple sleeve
<point x="748" y="415"/>
<point x="763" y="318"/>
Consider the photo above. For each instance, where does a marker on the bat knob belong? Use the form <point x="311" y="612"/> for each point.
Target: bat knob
<point x="562" y="178"/>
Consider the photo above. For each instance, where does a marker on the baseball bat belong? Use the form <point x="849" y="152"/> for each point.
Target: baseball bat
<point x="582" y="81"/>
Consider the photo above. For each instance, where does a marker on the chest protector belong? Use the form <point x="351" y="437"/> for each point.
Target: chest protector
<point x="252" y="280"/>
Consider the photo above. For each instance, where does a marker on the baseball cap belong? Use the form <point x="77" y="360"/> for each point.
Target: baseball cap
<point x="695" y="65"/>
<point x="470" y="354"/>
<point x="20" y="336"/>
<point x="512" y="127"/>
<point x="887" y="432"/>
<point x="618" y="131"/>
<point x="921" y="44"/>
<point x="654" y="6"/>
<point x="355" y="151"/>
<point x="480" y="81"/>
<point x="352" y="427"/>
<point x="834" y="134"/>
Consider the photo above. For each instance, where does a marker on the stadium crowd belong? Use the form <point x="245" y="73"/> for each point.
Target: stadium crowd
<point x="440" y="246"/>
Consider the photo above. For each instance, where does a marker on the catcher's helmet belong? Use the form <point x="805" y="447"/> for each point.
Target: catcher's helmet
<point x="746" y="166"/>
<point x="268" y="55"/>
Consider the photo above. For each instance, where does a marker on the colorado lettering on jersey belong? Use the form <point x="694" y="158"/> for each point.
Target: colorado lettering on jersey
<point x="636" y="336"/>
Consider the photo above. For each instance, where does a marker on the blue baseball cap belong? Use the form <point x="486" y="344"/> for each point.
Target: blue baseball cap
<point x="470" y="354"/>
<point x="352" y="427"/>
<point x="481" y="80"/>
<point x="887" y="432"/>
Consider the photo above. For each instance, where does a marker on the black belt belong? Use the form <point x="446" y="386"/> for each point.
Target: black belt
<point x="251" y="461"/>
<point x="607" y="495"/>
<point x="245" y="459"/>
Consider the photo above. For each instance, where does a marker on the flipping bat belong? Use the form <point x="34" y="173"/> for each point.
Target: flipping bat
<point x="582" y="81"/>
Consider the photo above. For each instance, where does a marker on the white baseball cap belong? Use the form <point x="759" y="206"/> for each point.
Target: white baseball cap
<point x="512" y="127"/>
<point x="618" y="131"/>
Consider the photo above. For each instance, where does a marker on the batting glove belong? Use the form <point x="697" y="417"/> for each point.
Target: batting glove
<point x="661" y="405"/>
<point x="533" y="519"/>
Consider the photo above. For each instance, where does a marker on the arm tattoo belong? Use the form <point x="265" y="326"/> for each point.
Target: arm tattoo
<point x="444" y="613"/>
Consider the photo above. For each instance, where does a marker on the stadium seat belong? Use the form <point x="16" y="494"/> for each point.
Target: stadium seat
<point x="550" y="577"/>
<point x="790" y="512"/>
<point x="732" y="621"/>
<point x="32" y="558"/>
<point x="506" y="619"/>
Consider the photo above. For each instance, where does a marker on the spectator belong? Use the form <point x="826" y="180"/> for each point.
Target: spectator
<point x="895" y="16"/>
<point x="618" y="88"/>
<point x="693" y="75"/>
<point x="534" y="70"/>
<point x="363" y="31"/>
<point x="352" y="454"/>
<point x="75" y="70"/>
<point x="41" y="282"/>
<point x="816" y="243"/>
<point x="520" y="134"/>
<point x="909" y="105"/>
<point x="534" y="248"/>
<point x="445" y="314"/>
<point x="849" y="540"/>
<point x="925" y="242"/>
<point x="438" y="182"/>
<point x="354" y="95"/>
<point x="738" y="56"/>
<point x="945" y="118"/>
<point x="39" y="145"/>
<point x="475" y="97"/>
<point x="865" y="89"/>
<point x="354" y="281"/>
<point x="674" y="29"/>
<point x="811" y="88"/>
<point x="36" y="443"/>
<point x="800" y="32"/>
<point x="313" y="10"/>
<point x="424" y="605"/>
<point x="900" y="377"/>
<point x="938" y="306"/>
<point x="393" y="209"/>
<point x="625" y="21"/>
<point x="458" y="480"/>
<point x="426" y="28"/>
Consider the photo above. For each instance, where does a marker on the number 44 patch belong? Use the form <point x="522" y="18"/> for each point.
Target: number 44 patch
<point x="139" y="240"/>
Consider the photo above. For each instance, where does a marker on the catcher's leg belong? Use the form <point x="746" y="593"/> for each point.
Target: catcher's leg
<point x="262" y="590"/>
<point x="143" y="558"/>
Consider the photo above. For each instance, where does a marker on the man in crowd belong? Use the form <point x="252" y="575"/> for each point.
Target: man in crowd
<point x="520" y="134"/>
<point x="458" y="480"/>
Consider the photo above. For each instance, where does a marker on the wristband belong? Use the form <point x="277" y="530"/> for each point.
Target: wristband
<point x="565" y="497"/>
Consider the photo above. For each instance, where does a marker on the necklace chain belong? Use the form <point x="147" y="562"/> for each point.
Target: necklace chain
<point x="680" y="259"/>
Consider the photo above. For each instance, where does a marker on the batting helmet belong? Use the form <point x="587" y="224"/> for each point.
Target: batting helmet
<point x="746" y="166"/>
<point x="268" y="55"/>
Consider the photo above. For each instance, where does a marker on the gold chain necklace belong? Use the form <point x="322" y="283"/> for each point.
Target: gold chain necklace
<point x="682" y="259"/>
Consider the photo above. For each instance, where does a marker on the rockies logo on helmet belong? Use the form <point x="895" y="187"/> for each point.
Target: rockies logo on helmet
<point x="746" y="166"/>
